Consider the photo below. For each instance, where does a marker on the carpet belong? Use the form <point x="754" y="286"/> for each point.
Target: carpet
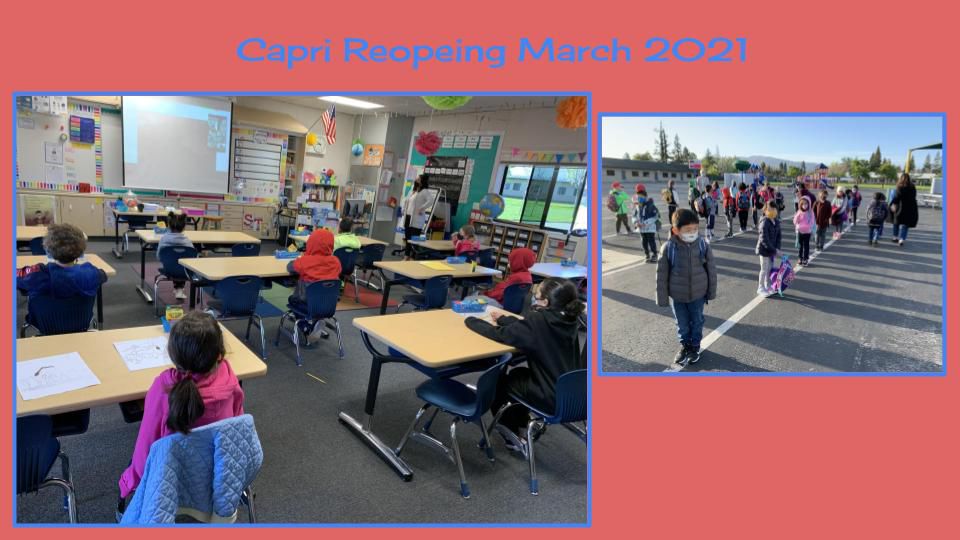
<point x="368" y="299"/>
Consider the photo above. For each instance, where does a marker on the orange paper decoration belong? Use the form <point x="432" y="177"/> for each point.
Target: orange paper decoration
<point x="572" y="112"/>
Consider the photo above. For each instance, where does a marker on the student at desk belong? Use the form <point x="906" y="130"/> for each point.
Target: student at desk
<point x="316" y="264"/>
<point x="200" y="389"/>
<point x="62" y="278"/>
<point x="548" y="337"/>
<point x="520" y="260"/>
<point x="345" y="237"/>
<point x="176" y="222"/>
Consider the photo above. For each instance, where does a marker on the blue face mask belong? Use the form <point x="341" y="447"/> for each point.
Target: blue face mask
<point x="641" y="199"/>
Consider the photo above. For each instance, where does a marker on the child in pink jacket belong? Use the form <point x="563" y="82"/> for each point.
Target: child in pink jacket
<point x="805" y="223"/>
<point x="200" y="389"/>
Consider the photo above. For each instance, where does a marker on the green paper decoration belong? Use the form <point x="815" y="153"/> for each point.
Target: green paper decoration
<point x="446" y="103"/>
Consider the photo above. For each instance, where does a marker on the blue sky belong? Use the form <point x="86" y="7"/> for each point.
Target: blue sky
<point x="809" y="138"/>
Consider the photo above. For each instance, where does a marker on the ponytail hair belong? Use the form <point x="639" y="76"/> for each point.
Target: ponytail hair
<point x="562" y="296"/>
<point x="195" y="347"/>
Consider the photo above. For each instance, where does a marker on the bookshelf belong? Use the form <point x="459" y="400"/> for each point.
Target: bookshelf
<point x="505" y="237"/>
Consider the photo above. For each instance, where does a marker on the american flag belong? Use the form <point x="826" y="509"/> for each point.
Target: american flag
<point x="330" y="124"/>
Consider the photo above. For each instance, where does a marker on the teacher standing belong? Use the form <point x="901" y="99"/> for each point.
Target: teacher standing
<point x="904" y="208"/>
<point x="415" y="208"/>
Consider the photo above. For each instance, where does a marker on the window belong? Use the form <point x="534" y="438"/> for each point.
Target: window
<point x="673" y="175"/>
<point x="646" y="174"/>
<point x="551" y="197"/>
<point x="610" y="172"/>
<point x="689" y="175"/>
<point x="634" y="173"/>
<point x="516" y="186"/>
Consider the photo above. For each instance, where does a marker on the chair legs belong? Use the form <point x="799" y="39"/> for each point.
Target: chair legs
<point x="66" y="485"/>
<point x="336" y="325"/>
<point x="356" y="286"/>
<point x="464" y="488"/>
<point x="531" y="429"/>
<point x="247" y="498"/>
<point x="296" y="333"/>
<point x="156" y="299"/>
<point x="413" y="426"/>
<point x="263" y="342"/>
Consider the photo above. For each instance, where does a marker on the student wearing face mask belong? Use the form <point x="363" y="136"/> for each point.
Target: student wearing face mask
<point x="805" y="222"/>
<point x="822" y="212"/>
<point x="768" y="245"/>
<point x="647" y="216"/>
<point x="687" y="276"/>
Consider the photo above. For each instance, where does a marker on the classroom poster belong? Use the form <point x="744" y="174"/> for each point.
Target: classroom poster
<point x="38" y="209"/>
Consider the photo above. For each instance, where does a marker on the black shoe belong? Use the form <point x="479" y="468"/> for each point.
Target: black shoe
<point x="693" y="355"/>
<point x="682" y="355"/>
<point x="653" y="258"/>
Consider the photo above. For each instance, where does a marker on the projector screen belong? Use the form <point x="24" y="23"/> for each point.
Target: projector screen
<point x="176" y="143"/>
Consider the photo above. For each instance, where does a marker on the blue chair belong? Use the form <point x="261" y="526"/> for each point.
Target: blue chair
<point x="348" y="266"/>
<point x="571" y="406"/>
<point x="36" y="246"/>
<point x="171" y="269"/>
<point x="485" y="257"/>
<point x="237" y="298"/>
<point x="470" y="256"/>
<point x="249" y="249"/>
<point x="321" y="307"/>
<point x="434" y="295"/>
<point x="51" y="316"/>
<point x="37" y="451"/>
<point x="514" y="296"/>
<point x="370" y="254"/>
<point x="465" y="405"/>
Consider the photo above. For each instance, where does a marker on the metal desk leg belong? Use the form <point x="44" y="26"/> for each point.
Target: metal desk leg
<point x="364" y="430"/>
<point x="142" y="289"/>
<point x="100" y="307"/>
<point x="116" y="234"/>
<point x="386" y="295"/>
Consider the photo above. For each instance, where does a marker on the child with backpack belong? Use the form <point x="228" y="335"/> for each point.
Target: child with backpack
<point x="669" y="197"/>
<point x="618" y="202"/>
<point x="804" y="221"/>
<point x="768" y="245"/>
<point x="707" y="207"/>
<point x="647" y="223"/>
<point x="729" y="209"/>
<point x="743" y="206"/>
<point x="687" y="275"/>
<point x="758" y="203"/>
<point x="876" y="215"/>
<point x="855" y="199"/>
<point x="693" y="194"/>
<point x="822" y="212"/>
<point x="838" y="209"/>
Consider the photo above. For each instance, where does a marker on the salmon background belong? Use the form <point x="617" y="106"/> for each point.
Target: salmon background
<point x="744" y="457"/>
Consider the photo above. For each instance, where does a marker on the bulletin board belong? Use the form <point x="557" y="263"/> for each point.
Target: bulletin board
<point x="259" y="165"/>
<point x="482" y="150"/>
<point x="47" y="160"/>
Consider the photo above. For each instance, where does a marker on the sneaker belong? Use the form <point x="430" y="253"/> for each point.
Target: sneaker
<point x="653" y="258"/>
<point x="900" y="242"/>
<point x="317" y="334"/>
<point x="763" y="291"/>
<point x="647" y="258"/>
<point x="682" y="354"/>
<point x="894" y="239"/>
<point x="693" y="355"/>
<point x="179" y="294"/>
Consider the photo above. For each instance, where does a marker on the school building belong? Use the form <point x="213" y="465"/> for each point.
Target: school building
<point x="634" y="170"/>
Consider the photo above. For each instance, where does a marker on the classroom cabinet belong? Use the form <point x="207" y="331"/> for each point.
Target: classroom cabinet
<point x="258" y="221"/>
<point x="83" y="212"/>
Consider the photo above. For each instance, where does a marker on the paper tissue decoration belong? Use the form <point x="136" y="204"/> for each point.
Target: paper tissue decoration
<point x="427" y="143"/>
<point x="572" y="112"/>
<point x="446" y="103"/>
<point x="357" y="148"/>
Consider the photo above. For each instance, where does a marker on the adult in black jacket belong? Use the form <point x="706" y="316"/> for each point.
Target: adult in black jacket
<point x="548" y="337"/>
<point x="904" y="207"/>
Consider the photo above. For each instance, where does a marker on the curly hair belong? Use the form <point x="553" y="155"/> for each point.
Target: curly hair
<point x="64" y="242"/>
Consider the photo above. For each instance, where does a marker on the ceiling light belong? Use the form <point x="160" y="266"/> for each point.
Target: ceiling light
<point x="350" y="102"/>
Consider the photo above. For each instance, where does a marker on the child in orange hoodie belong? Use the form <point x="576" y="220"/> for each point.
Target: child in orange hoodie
<point x="520" y="260"/>
<point x="316" y="264"/>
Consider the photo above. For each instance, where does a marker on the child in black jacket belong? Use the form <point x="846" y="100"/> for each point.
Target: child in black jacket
<point x="548" y="337"/>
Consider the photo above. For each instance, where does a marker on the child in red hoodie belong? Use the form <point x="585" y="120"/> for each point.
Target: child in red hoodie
<point x="520" y="260"/>
<point x="316" y="264"/>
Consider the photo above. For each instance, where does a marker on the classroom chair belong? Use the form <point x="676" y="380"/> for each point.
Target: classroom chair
<point x="434" y="295"/>
<point x="249" y="249"/>
<point x="571" y="407"/>
<point x="171" y="269"/>
<point x="484" y="258"/>
<point x="348" y="267"/>
<point x="513" y="297"/>
<point x="37" y="451"/>
<point x="36" y="246"/>
<point x="321" y="307"/>
<point x="465" y="404"/>
<point x="237" y="298"/>
<point x="204" y="476"/>
<point x="134" y="224"/>
<point x="369" y="255"/>
<point x="50" y="316"/>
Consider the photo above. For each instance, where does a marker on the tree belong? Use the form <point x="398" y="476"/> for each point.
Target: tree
<point x="937" y="167"/>
<point x="911" y="166"/>
<point x="860" y="168"/>
<point x="677" y="153"/>
<point x="626" y="155"/>
<point x="793" y="172"/>
<point x="643" y="157"/>
<point x="888" y="171"/>
<point x="876" y="160"/>
<point x="709" y="163"/>
<point x="803" y="167"/>
<point x="927" y="166"/>
<point x="661" y="146"/>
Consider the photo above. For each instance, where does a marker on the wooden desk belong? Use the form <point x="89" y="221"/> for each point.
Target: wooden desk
<point x="557" y="270"/>
<point x="30" y="260"/>
<point x="364" y="240"/>
<point x="149" y="240"/>
<point x="438" y="246"/>
<point x="28" y="233"/>
<point x="117" y="383"/>
<point x="219" y="268"/>
<point x="142" y="219"/>
<point x="436" y="343"/>
<point x="417" y="271"/>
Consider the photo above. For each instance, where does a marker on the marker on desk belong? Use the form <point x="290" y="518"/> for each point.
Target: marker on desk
<point x="37" y="374"/>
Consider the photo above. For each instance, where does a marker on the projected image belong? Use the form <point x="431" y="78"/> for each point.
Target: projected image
<point x="178" y="142"/>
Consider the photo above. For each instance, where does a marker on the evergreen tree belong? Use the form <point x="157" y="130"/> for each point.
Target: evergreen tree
<point x="876" y="160"/>
<point x="662" y="147"/>
<point x="927" y="166"/>
<point x="626" y="155"/>
<point x="643" y="157"/>
<point x="677" y="153"/>
<point x="937" y="167"/>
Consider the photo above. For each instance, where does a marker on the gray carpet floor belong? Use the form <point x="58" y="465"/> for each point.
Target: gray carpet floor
<point x="314" y="469"/>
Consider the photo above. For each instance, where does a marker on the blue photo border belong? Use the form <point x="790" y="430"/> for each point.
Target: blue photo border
<point x="596" y="241"/>
<point x="13" y="218"/>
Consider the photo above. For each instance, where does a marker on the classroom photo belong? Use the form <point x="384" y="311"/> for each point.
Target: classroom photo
<point x="302" y="309"/>
<point x="800" y="244"/>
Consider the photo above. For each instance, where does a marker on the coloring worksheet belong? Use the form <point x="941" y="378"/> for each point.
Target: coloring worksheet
<point x="147" y="353"/>
<point x="53" y="375"/>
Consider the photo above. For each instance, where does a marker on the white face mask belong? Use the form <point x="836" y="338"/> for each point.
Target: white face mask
<point x="689" y="237"/>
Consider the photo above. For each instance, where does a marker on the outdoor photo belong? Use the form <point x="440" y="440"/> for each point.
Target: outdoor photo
<point x="772" y="243"/>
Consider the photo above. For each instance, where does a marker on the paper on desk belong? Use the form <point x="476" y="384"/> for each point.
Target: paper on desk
<point x="147" y="353"/>
<point x="436" y="265"/>
<point x="53" y="375"/>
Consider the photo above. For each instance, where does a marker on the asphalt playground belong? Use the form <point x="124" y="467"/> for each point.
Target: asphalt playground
<point x="855" y="308"/>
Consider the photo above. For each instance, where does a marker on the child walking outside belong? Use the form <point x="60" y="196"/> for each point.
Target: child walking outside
<point x="822" y="212"/>
<point x="838" y="209"/>
<point x="687" y="276"/>
<point x="743" y="206"/>
<point x="876" y="215"/>
<point x="670" y="198"/>
<point x="729" y="209"/>
<point x="710" y="210"/>
<point x="619" y="203"/>
<point x="647" y="218"/>
<point x="805" y="222"/>
<point x="768" y="245"/>
<point x="855" y="199"/>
